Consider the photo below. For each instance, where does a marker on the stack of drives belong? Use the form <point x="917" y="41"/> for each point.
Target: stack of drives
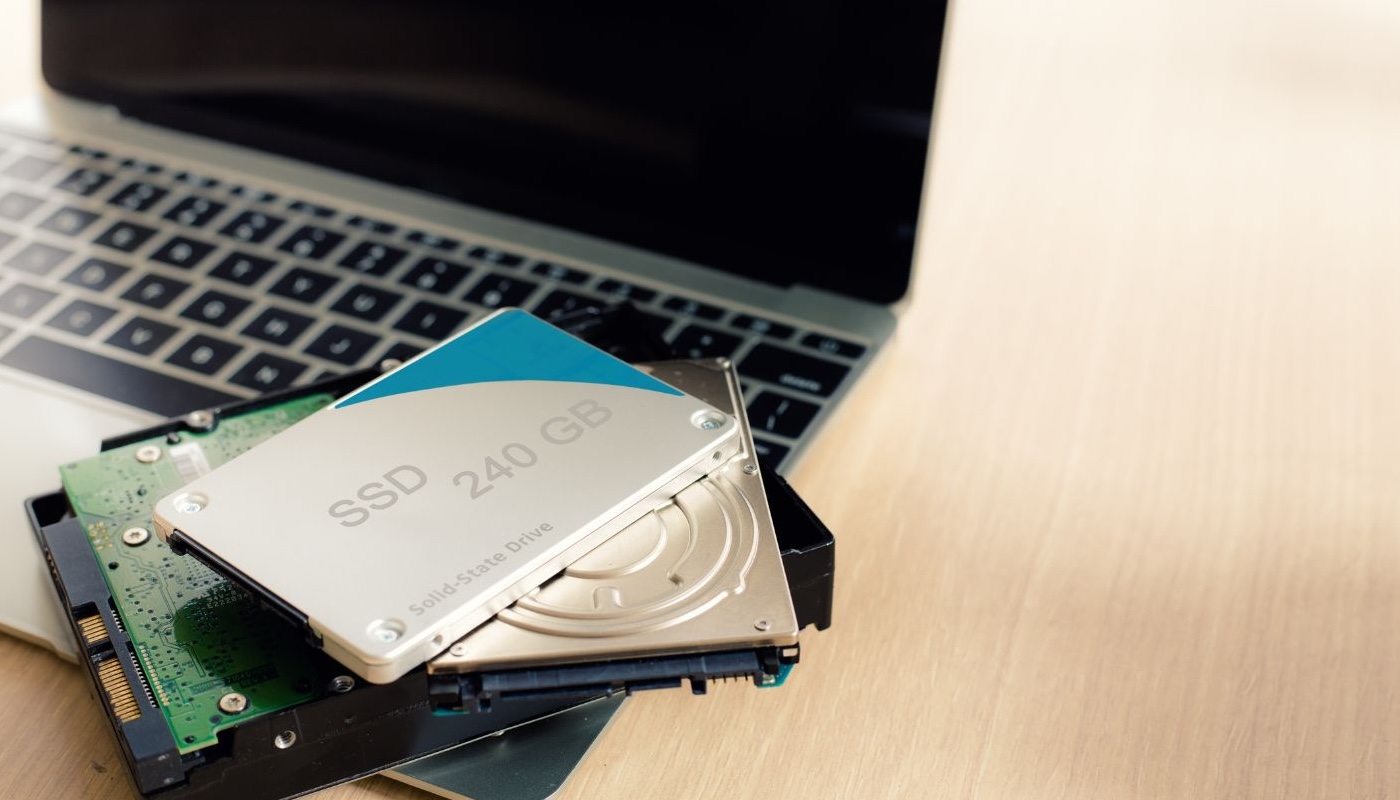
<point x="297" y="591"/>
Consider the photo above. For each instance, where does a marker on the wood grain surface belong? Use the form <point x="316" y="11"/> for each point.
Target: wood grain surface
<point x="1117" y="510"/>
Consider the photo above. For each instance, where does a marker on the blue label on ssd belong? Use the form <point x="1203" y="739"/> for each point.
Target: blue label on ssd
<point x="509" y="346"/>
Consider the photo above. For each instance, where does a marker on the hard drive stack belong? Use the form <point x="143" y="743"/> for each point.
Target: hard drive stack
<point x="284" y="594"/>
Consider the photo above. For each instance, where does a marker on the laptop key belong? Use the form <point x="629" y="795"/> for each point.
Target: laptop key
<point x="784" y="416"/>
<point x="24" y="301"/>
<point x="155" y="291"/>
<point x="311" y="242"/>
<point x="304" y="285"/>
<point x="194" y="212"/>
<point x="182" y="252"/>
<point x="431" y="320"/>
<point x="196" y="180"/>
<point x="17" y="205"/>
<point x="833" y="345"/>
<point x="435" y="275"/>
<point x="433" y="240"/>
<point x="203" y="354"/>
<point x="372" y="225"/>
<point x="496" y="291"/>
<point x="491" y="255"/>
<point x="303" y="207"/>
<point x="242" y="269"/>
<point x="143" y="167"/>
<point x="342" y="345"/>
<point x="700" y="341"/>
<point x="401" y="351"/>
<point x="765" y="327"/>
<point x="266" y="372"/>
<point x="255" y="195"/>
<point x="372" y="258"/>
<point x="142" y="336"/>
<point x="30" y="168"/>
<point x="38" y="259"/>
<point x="84" y="181"/>
<point x="559" y="302"/>
<point x="96" y="274"/>
<point x="87" y="152"/>
<point x="655" y="322"/>
<point x="125" y="236"/>
<point x="138" y="196"/>
<point x="81" y="317"/>
<point x="278" y="326"/>
<point x="252" y="227"/>
<point x="793" y="370"/>
<point x="69" y="221"/>
<point x="559" y="272"/>
<point x="629" y="291"/>
<point x="215" y="308"/>
<point x="117" y="380"/>
<point x="366" y="302"/>
<point x="693" y="308"/>
<point x="770" y="453"/>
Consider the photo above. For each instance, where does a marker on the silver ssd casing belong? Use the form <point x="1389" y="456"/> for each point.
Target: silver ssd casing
<point x="417" y="507"/>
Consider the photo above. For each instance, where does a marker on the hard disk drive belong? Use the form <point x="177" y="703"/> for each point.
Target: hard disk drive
<point x="695" y="589"/>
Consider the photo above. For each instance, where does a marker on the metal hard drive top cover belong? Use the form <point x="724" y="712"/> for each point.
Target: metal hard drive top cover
<point x="699" y="572"/>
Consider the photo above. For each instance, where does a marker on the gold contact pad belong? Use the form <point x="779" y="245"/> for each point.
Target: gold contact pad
<point x="118" y="690"/>
<point x="93" y="630"/>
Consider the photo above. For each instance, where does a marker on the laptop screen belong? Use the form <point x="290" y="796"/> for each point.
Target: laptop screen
<point x="781" y="141"/>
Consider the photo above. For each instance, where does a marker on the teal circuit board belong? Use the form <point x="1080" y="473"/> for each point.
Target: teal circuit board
<point x="198" y="637"/>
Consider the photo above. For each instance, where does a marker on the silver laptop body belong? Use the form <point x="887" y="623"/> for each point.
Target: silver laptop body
<point x="139" y="279"/>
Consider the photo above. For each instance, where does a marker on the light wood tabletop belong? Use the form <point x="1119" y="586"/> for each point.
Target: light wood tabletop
<point x="1117" y="511"/>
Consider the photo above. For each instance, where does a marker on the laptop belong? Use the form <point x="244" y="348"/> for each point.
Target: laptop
<point x="214" y="200"/>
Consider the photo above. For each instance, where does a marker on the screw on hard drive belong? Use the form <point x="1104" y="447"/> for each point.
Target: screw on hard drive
<point x="386" y="630"/>
<point x="190" y="502"/>
<point x="233" y="703"/>
<point x="200" y="420"/>
<point x="149" y="454"/>
<point x="133" y="537"/>
<point x="707" y="420"/>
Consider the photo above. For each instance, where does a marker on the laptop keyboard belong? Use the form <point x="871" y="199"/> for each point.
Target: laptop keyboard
<point x="172" y="290"/>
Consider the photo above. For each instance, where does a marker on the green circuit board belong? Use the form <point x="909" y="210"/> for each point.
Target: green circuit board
<point x="198" y="637"/>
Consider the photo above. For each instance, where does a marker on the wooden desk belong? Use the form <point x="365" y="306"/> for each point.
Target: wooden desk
<point x="1118" y="511"/>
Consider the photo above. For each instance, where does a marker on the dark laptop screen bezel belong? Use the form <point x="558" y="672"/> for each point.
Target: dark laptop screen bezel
<point x="782" y="142"/>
